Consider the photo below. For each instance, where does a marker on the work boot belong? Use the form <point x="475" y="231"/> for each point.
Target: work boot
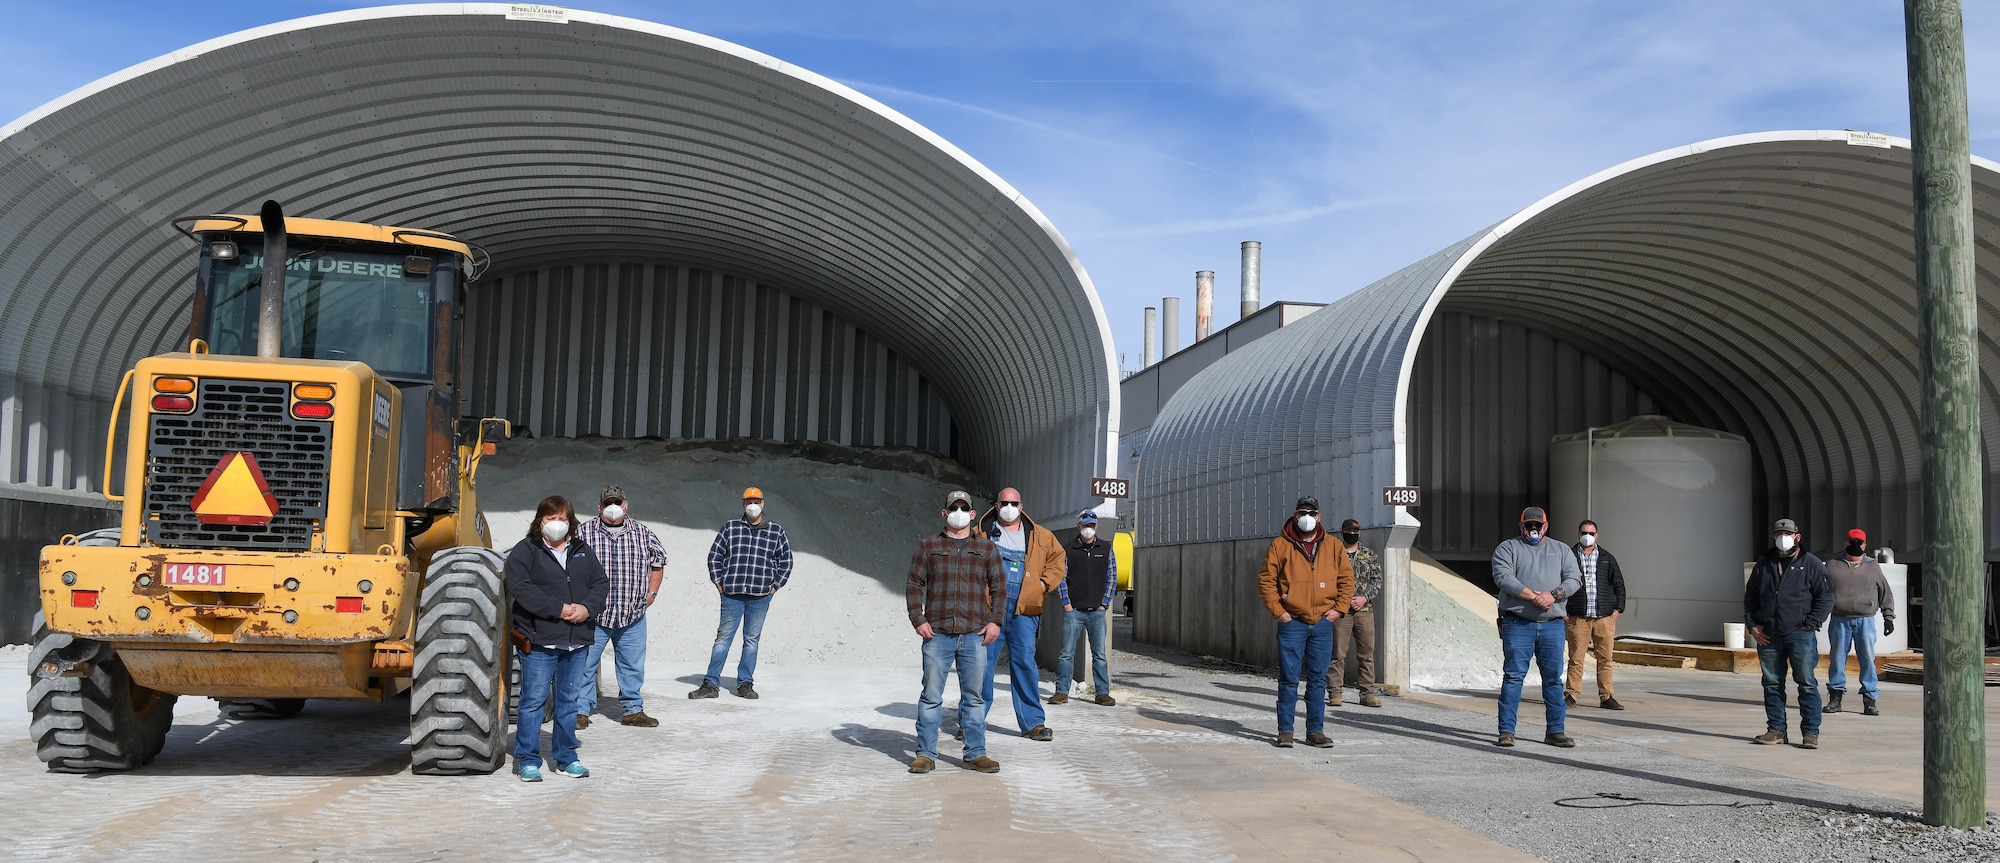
<point x="1285" y="740"/>
<point x="1833" y="701"/>
<point x="983" y="764"/>
<point x="922" y="765"/>
<point x="1609" y="703"/>
<point x="1039" y="732"/>
<point x="639" y="719"/>
<point x="745" y="690"/>
<point x="1771" y="738"/>
<point x="1105" y="699"/>
<point x="1506" y="739"/>
<point x="1318" y="740"/>
<point x="1868" y="706"/>
<point x="706" y="690"/>
<point x="1368" y="699"/>
<point x="1809" y="741"/>
<point x="582" y="721"/>
<point x="1569" y="700"/>
<point x="1333" y="696"/>
<point x="1059" y="698"/>
<point x="1559" y="739"/>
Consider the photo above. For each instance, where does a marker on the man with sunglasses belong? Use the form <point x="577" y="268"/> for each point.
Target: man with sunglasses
<point x="1035" y="563"/>
<point x="1305" y="586"/>
<point x="955" y="592"/>
<point x="1534" y="574"/>
<point x="1592" y="626"/>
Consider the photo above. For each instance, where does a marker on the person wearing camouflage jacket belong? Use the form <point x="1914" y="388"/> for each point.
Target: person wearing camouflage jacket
<point x="1355" y="631"/>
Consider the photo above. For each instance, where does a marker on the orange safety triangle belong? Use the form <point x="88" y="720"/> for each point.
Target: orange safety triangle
<point x="235" y="493"/>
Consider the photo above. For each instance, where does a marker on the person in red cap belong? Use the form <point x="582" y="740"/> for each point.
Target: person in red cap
<point x="1534" y="574"/>
<point x="1859" y="592"/>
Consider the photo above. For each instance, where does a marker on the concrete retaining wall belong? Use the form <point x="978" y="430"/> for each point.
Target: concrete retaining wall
<point x="28" y="521"/>
<point x="1201" y="598"/>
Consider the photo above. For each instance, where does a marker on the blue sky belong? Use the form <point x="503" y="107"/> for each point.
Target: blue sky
<point x="1350" y="137"/>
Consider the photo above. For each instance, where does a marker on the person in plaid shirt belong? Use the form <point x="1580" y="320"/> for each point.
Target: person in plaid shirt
<point x="635" y="561"/>
<point x="749" y="562"/>
<point x="956" y="593"/>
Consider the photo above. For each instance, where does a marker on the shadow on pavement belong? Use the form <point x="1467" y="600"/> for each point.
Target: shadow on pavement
<point x="1210" y="723"/>
<point x="900" y="746"/>
<point x="328" y="739"/>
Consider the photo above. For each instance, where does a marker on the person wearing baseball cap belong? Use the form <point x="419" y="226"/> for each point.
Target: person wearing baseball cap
<point x="1533" y="574"/>
<point x="1859" y="592"/>
<point x="635" y="560"/>
<point x="1785" y="602"/>
<point x="749" y="562"/>
<point x="1091" y="576"/>
<point x="956" y="594"/>
<point x="1305" y="593"/>
<point x="1355" y="630"/>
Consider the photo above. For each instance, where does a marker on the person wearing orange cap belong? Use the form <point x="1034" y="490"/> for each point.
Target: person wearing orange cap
<point x="749" y="562"/>
<point x="1534" y="573"/>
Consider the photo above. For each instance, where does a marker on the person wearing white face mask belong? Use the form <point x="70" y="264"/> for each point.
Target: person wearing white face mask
<point x="1787" y="599"/>
<point x="1533" y="574"/>
<point x="749" y="562"/>
<point x="1086" y="589"/>
<point x="635" y="560"/>
<point x="557" y="586"/>
<point x="1034" y="563"/>
<point x="956" y="594"/>
<point x="1592" y="626"/>
<point x="1306" y="586"/>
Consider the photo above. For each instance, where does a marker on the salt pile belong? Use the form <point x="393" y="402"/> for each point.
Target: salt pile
<point x="852" y="529"/>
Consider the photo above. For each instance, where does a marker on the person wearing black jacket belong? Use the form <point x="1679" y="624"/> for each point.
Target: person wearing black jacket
<point x="1785" y="602"/>
<point x="1592" y="625"/>
<point x="558" y="588"/>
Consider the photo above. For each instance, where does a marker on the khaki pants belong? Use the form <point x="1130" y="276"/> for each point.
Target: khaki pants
<point x="1357" y="627"/>
<point x="1589" y="635"/>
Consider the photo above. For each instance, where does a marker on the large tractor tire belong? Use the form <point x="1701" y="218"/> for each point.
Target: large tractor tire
<point x="458" y="700"/>
<point x="99" y="721"/>
<point x="262" y="708"/>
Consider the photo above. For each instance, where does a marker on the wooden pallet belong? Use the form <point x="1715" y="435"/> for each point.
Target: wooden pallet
<point x="1715" y="657"/>
<point x="1657" y="660"/>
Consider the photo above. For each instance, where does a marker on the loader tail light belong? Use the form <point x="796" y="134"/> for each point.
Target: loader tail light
<point x="83" y="598"/>
<point x="347" y="605"/>
<point x="313" y="392"/>
<point x="173" y="385"/>
<point x="173" y="404"/>
<point x="312" y="410"/>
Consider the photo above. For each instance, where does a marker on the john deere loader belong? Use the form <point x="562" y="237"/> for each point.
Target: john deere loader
<point x="299" y="511"/>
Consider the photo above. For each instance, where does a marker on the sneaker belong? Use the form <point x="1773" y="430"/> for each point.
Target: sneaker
<point x="1569" y="700"/>
<point x="1285" y="740"/>
<point x="574" y="770"/>
<point x="1809" y="741"/>
<point x="530" y="773"/>
<point x="922" y="765"/>
<point x="1560" y="739"/>
<point x="745" y="690"/>
<point x="1506" y="740"/>
<point x="1868" y="707"/>
<point x="1832" y="701"/>
<point x="1610" y="704"/>
<point x="706" y="690"/>
<point x="1368" y="699"/>
<point x="1059" y="698"/>
<point x="1318" y="740"/>
<point x="1105" y="700"/>
<point x="1770" y="738"/>
<point x="639" y="719"/>
<point x="1039" y="732"/>
<point x="983" y="764"/>
<point x="582" y="722"/>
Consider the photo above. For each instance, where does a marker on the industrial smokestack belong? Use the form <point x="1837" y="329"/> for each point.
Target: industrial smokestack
<point x="1170" y="327"/>
<point x="1253" y="263"/>
<point x="1152" y="354"/>
<point x="1204" y="303"/>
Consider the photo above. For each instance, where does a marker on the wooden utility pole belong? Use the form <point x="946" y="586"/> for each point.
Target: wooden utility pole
<point x="1948" y="418"/>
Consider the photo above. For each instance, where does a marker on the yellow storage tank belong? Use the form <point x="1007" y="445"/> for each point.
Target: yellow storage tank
<point x="1121" y="545"/>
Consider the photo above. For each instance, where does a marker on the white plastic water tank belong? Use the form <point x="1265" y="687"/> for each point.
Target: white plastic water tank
<point x="1672" y="503"/>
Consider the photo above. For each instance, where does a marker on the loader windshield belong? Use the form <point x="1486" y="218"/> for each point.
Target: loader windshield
<point x="340" y="304"/>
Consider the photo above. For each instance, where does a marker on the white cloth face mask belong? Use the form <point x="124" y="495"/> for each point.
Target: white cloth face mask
<point x="1307" y="523"/>
<point x="554" y="531"/>
<point x="614" y="512"/>
<point x="958" y="519"/>
<point x="753" y="510"/>
<point x="1087" y="532"/>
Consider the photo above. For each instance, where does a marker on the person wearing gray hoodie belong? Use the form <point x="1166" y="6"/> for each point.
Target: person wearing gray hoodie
<point x="1533" y="575"/>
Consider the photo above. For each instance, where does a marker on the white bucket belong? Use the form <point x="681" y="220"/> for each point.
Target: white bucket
<point x="1732" y="636"/>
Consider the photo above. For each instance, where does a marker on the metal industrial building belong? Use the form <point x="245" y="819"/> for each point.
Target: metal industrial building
<point x="690" y="240"/>
<point x="1761" y="285"/>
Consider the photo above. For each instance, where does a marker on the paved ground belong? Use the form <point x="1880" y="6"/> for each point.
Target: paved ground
<point x="1182" y="769"/>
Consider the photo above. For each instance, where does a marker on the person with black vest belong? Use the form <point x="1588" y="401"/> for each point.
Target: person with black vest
<point x="559" y="589"/>
<point x="1086" y="597"/>
<point x="1592" y="625"/>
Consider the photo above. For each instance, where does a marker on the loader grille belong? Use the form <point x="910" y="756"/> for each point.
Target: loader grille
<point x="237" y="416"/>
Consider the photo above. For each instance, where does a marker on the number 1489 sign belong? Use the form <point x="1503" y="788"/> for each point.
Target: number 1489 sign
<point x="196" y="574"/>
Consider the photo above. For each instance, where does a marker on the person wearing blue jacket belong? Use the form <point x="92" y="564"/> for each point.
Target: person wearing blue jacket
<point x="1533" y="574"/>
<point x="1785" y="602"/>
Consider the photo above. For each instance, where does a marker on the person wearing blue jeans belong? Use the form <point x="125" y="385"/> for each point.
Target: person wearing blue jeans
<point x="558" y="588"/>
<point x="954" y="593"/>
<point x="1860" y="592"/>
<point x="1305" y="584"/>
<point x="965" y="653"/>
<point x="1034" y="563"/>
<point x="1785" y="602"/>
<point x="1092" y="575"/>
<point x="635" y="561"/>
<point x="540" y="668"/>
<point x="1303" y="649"/>
<point x="1533" y="575"/>
<point x="749" y="562"/>
<point x="628" y="659"/>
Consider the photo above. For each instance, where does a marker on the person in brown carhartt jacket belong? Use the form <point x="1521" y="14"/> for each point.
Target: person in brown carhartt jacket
<point x="1035" y="563"/>
<point x="1306" y="594"/>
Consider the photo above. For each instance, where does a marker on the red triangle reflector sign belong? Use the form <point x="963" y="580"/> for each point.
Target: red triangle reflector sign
<point x="235" y="492"/>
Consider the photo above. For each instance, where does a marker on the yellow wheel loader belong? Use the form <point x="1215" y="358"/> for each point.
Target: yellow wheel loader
<point x="299" y="513"/>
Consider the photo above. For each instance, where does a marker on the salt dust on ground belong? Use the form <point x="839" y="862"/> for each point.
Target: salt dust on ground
<point x="852" y="530"/>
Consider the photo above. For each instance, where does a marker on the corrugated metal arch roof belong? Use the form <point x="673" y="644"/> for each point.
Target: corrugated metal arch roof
<point x="547" y="143"/>
<point x="1761" y="283"/>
